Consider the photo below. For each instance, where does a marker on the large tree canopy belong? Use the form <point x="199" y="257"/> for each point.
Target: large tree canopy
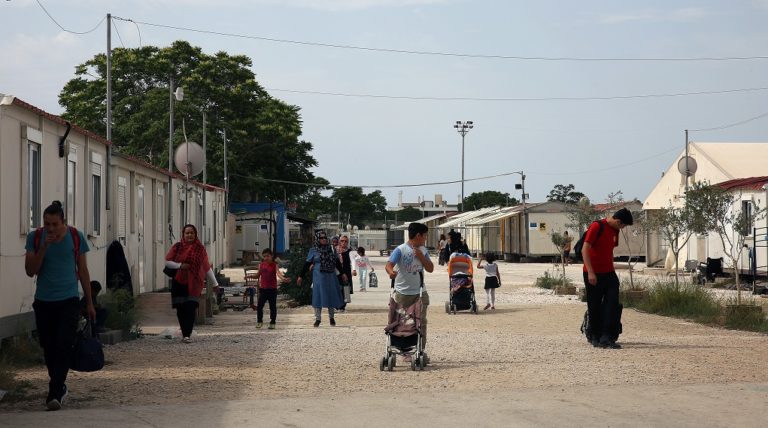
<point x="262" y="132"/>
<point x="488" y="198"/>
<point x="565" y="194"/>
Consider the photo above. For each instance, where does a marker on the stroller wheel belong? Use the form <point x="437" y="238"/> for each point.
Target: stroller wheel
<point x="474" y="308"/>
<point x="382" y="363"/>
<point x="422" y="362"/>
<point x="447" y="307"/>
<point x="391" y="362"/>
<point x="413" y="364"/>
<point x="453" y="309"/>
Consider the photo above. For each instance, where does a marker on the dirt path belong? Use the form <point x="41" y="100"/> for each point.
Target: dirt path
<point x="521" y="346"/>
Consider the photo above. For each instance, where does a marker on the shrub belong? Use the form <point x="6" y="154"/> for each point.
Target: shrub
<point x="743" y="317"/>
<point x="685" y="300"/>
<point x="122" y="312"/>
<point x="550" y="281"/>
<point x="301" y="294"/>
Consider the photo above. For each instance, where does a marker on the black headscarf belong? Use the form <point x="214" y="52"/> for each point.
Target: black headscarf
<point x="327" y="256"/>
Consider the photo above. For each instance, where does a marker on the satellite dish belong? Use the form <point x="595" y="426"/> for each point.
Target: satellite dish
<point x="189" y="159"/>
<point x="687" y="168"/>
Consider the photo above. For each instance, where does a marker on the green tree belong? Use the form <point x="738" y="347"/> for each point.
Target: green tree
<point x="357" y="206"/>
<point x="406" y="214"/>
<point x="488" y="198"/>
<point x="714" y="210"/>
<point x="674" y="225"/>
<point x="564" y="193"/>
<point x="262" y="132"/>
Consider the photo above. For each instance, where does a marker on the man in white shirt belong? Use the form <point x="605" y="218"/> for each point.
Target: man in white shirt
<point x="412" y="259"/>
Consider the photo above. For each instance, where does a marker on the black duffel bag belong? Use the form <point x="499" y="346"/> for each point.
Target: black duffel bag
<point x="88" y="354"/>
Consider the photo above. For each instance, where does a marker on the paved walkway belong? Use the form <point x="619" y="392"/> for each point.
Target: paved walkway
<point x="734" y="405"/>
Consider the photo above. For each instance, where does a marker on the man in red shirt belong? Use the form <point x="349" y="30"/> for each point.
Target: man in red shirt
<point x="600" y="278"/>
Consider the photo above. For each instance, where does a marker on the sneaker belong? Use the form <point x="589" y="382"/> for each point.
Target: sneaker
<point x="186" y="340"/>
<point x="259" y="324"/>
<point x="493" y="308"/>
<point x="333" y="321"/>
<point x="317" y="323"/>
<point x="488" y="306"/>
<point x="271" y="326"/>
<point x="610" y="345"/>
<point x="56" y="401"/>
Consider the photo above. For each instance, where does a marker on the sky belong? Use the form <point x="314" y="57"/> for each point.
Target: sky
<point x="529" y="115"/>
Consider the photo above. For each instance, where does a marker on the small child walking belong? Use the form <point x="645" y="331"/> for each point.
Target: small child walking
<point x="362" y="264"/>
<point x="492" y="279"/>
<point x="268" y="275"/>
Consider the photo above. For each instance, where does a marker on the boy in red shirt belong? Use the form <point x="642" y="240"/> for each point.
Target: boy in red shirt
<point x="600" y="278"/>
<point x="268" y="275"/>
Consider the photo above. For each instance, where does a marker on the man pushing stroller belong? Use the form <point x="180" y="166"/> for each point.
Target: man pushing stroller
<point x="411" y="259"/>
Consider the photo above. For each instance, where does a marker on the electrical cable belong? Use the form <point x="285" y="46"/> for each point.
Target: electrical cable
<point x="603" y="98"/>
<point x="437" y="183"/>
<point x="449" y="54"/>
<point x="730" y="125"/>
<point x="64" y="29"/>
<point x="114" y="24"/>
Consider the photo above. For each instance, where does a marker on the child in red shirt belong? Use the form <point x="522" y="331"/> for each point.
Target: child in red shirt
<point x="268" y="275"/>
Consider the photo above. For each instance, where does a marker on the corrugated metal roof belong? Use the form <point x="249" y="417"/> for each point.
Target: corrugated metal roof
<point x="422" y="220"/>
<point x="464" y="217"/>
<point x="750" y="183"/>
<point x="503" y="213"/>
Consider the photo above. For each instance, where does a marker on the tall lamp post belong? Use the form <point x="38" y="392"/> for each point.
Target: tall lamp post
<point x="463" y="128"/>
<point x="178" y="94"/>
<point x="521" y="186"/>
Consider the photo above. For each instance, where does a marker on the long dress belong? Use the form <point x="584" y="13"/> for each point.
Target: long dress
<point x="325" y="285"/>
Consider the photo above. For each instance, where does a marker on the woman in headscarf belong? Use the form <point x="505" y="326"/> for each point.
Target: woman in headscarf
<point x="191" y="260"/>
<point x="325" y="285"/>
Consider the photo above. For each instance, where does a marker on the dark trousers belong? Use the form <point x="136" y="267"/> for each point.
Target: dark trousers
<point x="603" y="304"/>
<point x="186" y="313"/>
<point x="267" y="295"/>
<point x="57" y="329"/>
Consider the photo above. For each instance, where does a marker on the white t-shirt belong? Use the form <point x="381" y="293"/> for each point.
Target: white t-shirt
<point x="491" y="269"/>
<point x="361" y="262"/>
<point x="407" y="281"/>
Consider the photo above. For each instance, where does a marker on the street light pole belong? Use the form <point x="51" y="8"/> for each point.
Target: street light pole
<point x="463" y="128"/>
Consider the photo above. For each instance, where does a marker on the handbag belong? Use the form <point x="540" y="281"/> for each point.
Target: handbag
<point x="373" y="281"/>
<point x="170" y="272"/>
<point x="88" y="355"/>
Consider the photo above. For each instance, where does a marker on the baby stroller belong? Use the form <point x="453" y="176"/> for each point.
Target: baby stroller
<point x="461" y="293"/>
<point x="404" y="333"/>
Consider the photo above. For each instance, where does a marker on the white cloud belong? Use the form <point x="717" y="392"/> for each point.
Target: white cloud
<point x="689" y="14"/>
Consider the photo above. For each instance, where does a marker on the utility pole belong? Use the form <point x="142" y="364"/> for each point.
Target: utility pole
<point x="109" y="111"/>
<point x="463" y="128"/>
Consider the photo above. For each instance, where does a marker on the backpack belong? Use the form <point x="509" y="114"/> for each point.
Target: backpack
<point x="75" y="240"/>
<point x="580" y="243"/>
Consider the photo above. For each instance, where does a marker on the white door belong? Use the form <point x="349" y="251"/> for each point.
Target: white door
<point x="140" y="231"/>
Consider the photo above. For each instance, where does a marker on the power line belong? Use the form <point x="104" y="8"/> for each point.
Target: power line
<point x="730" y="125"/>
<point x="64" y="29"/>
<point x="449" y="54"/>
<point x="118" y="34"/>
<point x="603" y="98"/>
<point x="437" y="183"/>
